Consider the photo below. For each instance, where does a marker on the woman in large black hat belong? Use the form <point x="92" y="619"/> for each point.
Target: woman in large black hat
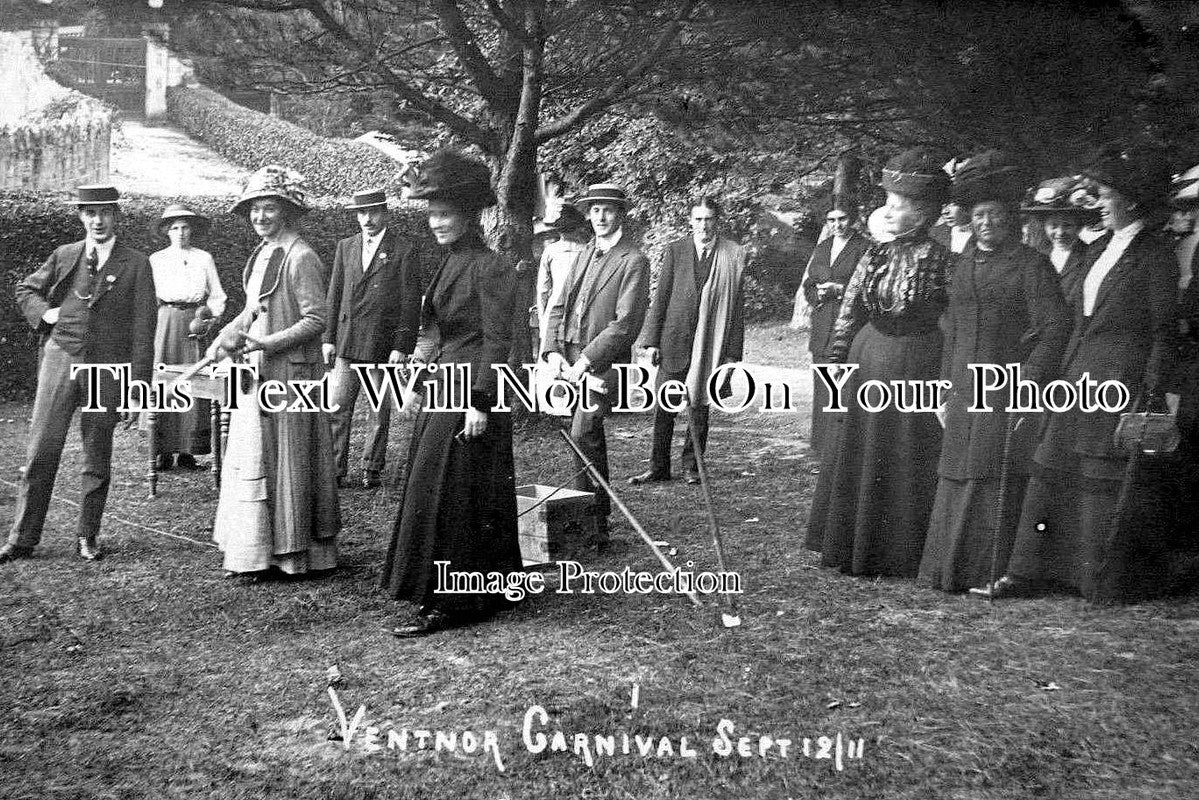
<point x="459" y="503"/>
<point x="878" y="475"/>
<point x="1004" y="308"/>
<point x="1058" y="207"/>
<point x="1075" y="531"/>
<point x="190" y="300"/>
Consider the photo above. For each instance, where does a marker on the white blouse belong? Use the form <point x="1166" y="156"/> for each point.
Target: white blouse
<point x="187" y="276"/>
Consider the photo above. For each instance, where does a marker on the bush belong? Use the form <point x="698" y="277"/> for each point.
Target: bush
<point x="332" y="166"/>
<point x="33" y="224"/>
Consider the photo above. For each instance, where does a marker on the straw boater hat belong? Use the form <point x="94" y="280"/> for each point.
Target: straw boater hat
<point x="1061" y="196"/>
<point x="1186" y="188"/>
<point x="455" y="179"/>
<point x="371" y="198"/>
<point x="603" y="193"/>
<point x="98" y="194"/>
<point x="989" y="176"/>
<point x="175" y="211"/>
<point x="1141" y="176"/>
<point x="917" y="174"/>
<point x="274" y="181"/>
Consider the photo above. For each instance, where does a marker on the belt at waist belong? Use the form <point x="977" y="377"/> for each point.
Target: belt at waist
<point x="904" y="327"/>
<point x="180" y="304"/>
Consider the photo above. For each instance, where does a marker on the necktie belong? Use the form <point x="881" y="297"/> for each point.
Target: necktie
<point x="92" y="261"/>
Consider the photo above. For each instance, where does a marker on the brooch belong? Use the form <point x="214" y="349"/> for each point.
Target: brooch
<point x="383" y="258"/>
<point x="111" y="278"/>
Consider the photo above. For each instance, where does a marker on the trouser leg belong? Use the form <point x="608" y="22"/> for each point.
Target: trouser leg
<point x="374" y="454"/>
<point x="96" y="428"/>
<point x="697" y="418"/>
<point x="53" y="406"/>
<point x="345" y="395"/>
<point x="659" y="460"/>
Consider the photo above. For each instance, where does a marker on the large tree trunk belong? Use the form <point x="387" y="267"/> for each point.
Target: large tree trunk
<point x="846" y="181"/>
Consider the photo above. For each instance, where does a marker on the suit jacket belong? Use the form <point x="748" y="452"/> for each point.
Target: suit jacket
<point x="673" y="315"/>
<point x="820" y="270"/>
<point x="374" y="312"/>
<point x="293" y="297"/>
<point x="122" y="312"/>
<point x="1130" y="336"/>
<point x="613" y="314"/>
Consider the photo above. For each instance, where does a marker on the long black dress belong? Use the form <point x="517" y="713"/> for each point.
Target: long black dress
<point x="459" y="502"/>
<point x="1070" y="532"/>
<point x="878" y="475"/>
<point x="1004" y="308"/>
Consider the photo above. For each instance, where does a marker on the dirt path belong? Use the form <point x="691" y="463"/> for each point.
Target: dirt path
<point x="162" y="160"/>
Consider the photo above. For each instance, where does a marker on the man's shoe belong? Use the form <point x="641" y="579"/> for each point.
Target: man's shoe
<point x="692" y="478"/>
<point x="426" y="624"/>
<point x="649" y="476"/>
<point x="12" y="552"/>
<point x="371" y="480"/>
<point x="186" y="461"/>
<point x="89" y="550"/>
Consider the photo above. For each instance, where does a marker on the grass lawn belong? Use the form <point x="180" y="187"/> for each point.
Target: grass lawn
<point x="150" y="675"/>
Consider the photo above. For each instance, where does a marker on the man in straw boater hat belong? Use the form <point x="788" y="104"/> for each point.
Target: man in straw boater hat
<point x="594" y="322"/>
<point x="374" y="304"/>
<point x="93" y="301"/>
<point x="695" y="324"/>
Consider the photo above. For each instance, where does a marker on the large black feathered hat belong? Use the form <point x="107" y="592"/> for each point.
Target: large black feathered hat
<point x="1142" y="176"/>
<point x="454" y="178"/>
<point x="990" y="175"/>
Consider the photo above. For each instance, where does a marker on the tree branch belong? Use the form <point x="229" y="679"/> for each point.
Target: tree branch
<point x="615" y="90"/>
<point x="440" y="113"/>
<point x="462" y="39"/>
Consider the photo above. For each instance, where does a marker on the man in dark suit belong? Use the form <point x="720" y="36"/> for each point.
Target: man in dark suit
<point x="594" y="322"/>
<point x="828" y="273"/>
<point x="94" y="303"/>
<point x="695" y="324"/>
<point x="374" y="294"/>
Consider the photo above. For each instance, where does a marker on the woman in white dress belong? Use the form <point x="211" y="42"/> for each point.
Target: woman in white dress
<point x="190" y="297"/>
<point x="278" y="505"/>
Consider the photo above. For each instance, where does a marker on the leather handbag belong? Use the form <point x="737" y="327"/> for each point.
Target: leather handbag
<point x="1147" y="433"/>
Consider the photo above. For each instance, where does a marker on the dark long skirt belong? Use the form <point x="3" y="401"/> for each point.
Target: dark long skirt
<point x="964" y="532"/>
<point x="1067" y="535"/>
<point x="187" y="431"/>
<point x="879" y="471"/>
<point x="459" y="505"/>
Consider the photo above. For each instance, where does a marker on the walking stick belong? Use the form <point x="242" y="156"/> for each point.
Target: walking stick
<point x="603" y="484"/>
<point x="730" y="618"/>
<point x="1005" y="463"/>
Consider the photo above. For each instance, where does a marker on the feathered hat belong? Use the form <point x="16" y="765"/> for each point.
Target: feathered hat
<point x="452" y="177"/>
<point x="990" y="175"/>
<point x="916" y="173"/>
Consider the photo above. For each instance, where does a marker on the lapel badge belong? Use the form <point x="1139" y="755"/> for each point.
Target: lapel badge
<point x="383" y="258"/>
<point x="110" y="278"/>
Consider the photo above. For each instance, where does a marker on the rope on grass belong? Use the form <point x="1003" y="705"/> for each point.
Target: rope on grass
<point x="127" y="522"/>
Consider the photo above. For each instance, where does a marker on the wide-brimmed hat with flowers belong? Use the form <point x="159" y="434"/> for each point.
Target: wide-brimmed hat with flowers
<point x="453" y="178"/>
<point x="1065" y="195"/>
<point x="175" y="211"/>
<point x="274" y="181"/>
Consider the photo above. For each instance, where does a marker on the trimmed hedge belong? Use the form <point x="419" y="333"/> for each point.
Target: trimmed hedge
<point x="336" y="167"/>
<point x="33" y="224"/>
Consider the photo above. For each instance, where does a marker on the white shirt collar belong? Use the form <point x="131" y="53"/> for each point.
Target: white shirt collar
<point x="606" y="243"/>
<point x="103" y="249"/>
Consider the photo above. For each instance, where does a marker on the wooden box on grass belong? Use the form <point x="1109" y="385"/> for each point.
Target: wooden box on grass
<point x="558" y="523"/>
